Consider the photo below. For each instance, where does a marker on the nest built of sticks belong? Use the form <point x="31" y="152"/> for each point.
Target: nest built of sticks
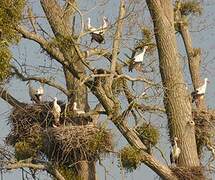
<point x="193" y="173"/>
<point x="205" y="128"/>
<point x="32" y="134"/>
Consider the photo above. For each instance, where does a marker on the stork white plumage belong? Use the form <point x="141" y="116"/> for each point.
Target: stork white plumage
<point x="32" y="92"/>
<point x="56" y="110"/>
<point x="89" y="26"/>
<point x="35" y="94"/>
<point x="97" y="34"/>
<point x="139" y="57"/>
<point x="175" y="152"/>
<point x="104" y="25"/>
<point x="77" y="110"/>
<point x="137" y="60"/>
<point x="200" y="91"/>
<point x="40" y="92"/>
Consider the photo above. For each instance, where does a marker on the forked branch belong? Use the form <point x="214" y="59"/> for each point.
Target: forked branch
<point x="54" y="52"/>
<point x="117" y="38"/>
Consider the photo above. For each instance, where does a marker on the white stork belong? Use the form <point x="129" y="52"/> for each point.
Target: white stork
<point x="89" y="26"/>
<point x="175" y="152"/>
<point x="31" y="91"/>
<point x="200" y="91"/>
<point x="97" y="34"/>
<point x="35" y="94"/>
<point x="137" y="61"/>
<point x="105" y="25"/>
<point x="77" y="110"/>
<point x="56" y="110"/>
<point x="40" y="93"/>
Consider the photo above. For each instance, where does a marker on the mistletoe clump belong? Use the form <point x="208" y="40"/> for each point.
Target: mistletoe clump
<point x="130" y="158"/>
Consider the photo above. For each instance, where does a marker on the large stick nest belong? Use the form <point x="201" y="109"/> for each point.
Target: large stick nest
<point x="204" y="127"/>
<point x="32" y="131"/>
<point x="192" y="173"/>
<point x="76" y="143"/>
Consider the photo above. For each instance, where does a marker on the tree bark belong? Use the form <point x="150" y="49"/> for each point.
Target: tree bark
<point x="176" y="99"/>
<point x="60" y="24"/>
<point x="194" y="59"/>
<point x="87" y="170"/>
<point x="163" y="171"/>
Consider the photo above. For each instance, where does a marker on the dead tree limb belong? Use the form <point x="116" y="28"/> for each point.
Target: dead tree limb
<point x="53" y="171"/>
<point x="4" y="94"/>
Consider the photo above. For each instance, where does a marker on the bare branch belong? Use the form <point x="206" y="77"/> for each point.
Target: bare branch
<point x="53" y="51"/>
<point x="24" y="165"/>
<point x="4" y="94"/>
<point x="41" y="80"/>
<point x="105" y="53"/>
<point x="163" y="171"/>
<point x="50" y="169"/>
<point x="117" y="77"/>
<point x="72" y="6"/>
<point x="152" y="108"/>
<point x="97" y="52"/>
<point x="32" y="19"/>
<point x="194" y="60"/>
<point x="135" y="79"/>
<point x="117" y="38"/>
<point x="69" y="10"/>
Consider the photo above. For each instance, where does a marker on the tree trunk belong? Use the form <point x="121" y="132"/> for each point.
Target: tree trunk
<point x="176" y="99"/>
<point x="60" y="24"/>
<point x="77" y="93"/>
<point x="87" y="170"/>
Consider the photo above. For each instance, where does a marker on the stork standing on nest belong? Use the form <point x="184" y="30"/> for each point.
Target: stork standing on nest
<point x="56" y="110"/>
<point x="137" y="61"/>
<point x="97" y="34"/>
<point x="175" y="152"/>
<point x="77" y="110"/>
<point x="200" y="91"/>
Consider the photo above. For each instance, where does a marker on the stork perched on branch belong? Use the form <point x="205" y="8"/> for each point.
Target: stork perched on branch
<point x="137" y="61"/>
<point x="200" y="91"/>
<point x="56" y="110"/>
<point x="175" y="152"/>
<point x="35" y="94"/>
<point x="97" y="34"/>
